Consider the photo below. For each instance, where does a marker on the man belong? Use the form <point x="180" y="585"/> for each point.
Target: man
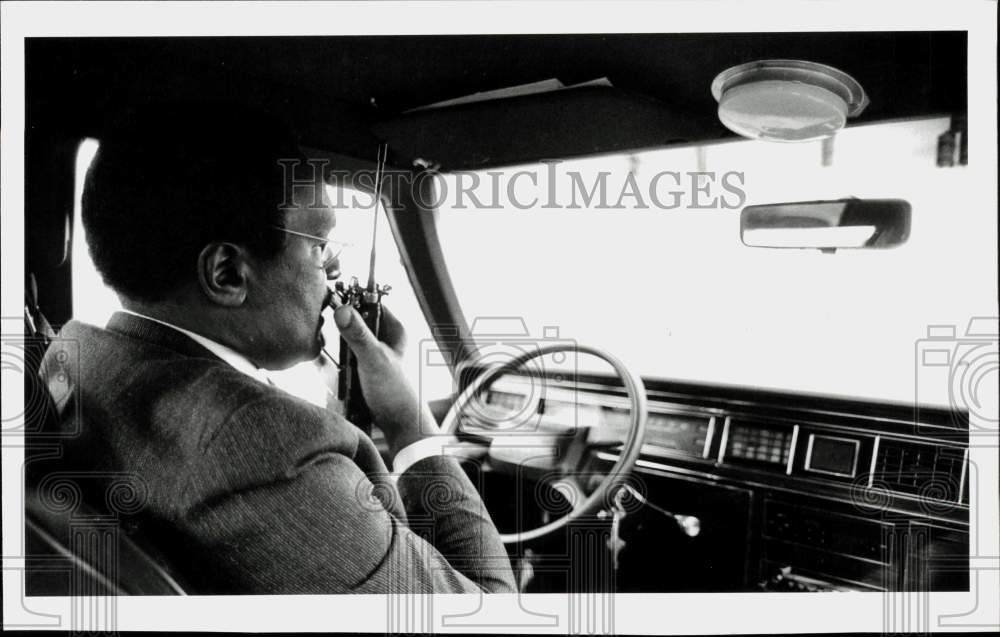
<point x="222" y="264"/>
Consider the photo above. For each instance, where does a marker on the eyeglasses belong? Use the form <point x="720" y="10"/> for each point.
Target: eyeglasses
<point x="331" y="248"/>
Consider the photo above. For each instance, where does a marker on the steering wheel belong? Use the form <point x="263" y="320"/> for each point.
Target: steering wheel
<point x="566" y="482"/>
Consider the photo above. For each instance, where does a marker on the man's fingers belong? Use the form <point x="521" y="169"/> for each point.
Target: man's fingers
<point x="361" y="340"/>
<point x="352" y="327"/>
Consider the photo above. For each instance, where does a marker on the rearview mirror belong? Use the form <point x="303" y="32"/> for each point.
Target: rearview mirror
<point x="827" y="225"/>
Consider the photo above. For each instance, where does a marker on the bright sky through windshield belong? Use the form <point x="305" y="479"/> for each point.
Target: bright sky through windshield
<point x="675" y="293"/>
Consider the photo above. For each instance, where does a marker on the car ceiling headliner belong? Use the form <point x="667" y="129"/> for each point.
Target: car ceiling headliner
<point x="341" y="92"/>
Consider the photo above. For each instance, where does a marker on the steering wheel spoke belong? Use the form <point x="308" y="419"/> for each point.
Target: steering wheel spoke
<point x="573" y="451"/>
<point x="572" y="487"/>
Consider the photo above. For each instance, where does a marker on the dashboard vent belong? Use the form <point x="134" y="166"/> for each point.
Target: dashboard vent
<point x="928" y="471"/>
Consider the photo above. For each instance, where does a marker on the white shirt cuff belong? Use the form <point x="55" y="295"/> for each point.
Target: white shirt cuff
<point x="417" y="451"/>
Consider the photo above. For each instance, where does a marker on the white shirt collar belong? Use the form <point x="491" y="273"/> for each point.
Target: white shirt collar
<point x="235" y="359"/>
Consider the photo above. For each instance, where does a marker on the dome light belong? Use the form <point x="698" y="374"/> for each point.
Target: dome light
<point x="787" y="100"/>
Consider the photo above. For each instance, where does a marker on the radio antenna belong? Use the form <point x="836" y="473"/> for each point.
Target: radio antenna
<point x="383" y="150"/>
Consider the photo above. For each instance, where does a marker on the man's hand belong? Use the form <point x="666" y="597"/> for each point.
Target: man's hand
<point x="394" y="404"/>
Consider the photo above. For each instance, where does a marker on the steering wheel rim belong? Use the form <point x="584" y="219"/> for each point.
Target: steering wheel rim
<point x="599" y="498"/>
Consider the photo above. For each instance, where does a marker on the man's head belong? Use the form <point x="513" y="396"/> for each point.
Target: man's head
<point x="184" y="208"/>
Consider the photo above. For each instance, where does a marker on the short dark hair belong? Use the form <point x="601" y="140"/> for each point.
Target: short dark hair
<point x="170" y="179"/>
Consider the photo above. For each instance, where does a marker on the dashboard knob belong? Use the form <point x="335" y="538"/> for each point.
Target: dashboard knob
<point x="689" y="524"/>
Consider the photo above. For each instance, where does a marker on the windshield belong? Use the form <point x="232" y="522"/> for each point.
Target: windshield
<point x="641" y="254"/>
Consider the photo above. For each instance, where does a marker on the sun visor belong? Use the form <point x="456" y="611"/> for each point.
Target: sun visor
<point x="515" y="130"/>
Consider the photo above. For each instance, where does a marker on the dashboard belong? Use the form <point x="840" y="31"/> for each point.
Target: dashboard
<point x="793" y="493"/>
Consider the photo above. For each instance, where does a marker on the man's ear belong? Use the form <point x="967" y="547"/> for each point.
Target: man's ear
<point x="222" y="270"/>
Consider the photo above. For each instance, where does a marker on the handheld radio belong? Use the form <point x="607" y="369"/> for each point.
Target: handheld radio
<point x="367" y="300"/>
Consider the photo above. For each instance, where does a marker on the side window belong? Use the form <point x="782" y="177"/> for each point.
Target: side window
<point x="94" y="302"/>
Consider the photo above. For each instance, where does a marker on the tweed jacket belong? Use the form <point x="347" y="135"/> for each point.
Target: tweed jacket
<point x="243" y="488"/>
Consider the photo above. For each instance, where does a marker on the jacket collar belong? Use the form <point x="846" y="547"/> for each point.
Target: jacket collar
<point x="156" y="333"/>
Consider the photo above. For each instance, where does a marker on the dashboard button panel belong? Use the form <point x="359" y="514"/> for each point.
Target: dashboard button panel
<point x="764" y="445"/>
